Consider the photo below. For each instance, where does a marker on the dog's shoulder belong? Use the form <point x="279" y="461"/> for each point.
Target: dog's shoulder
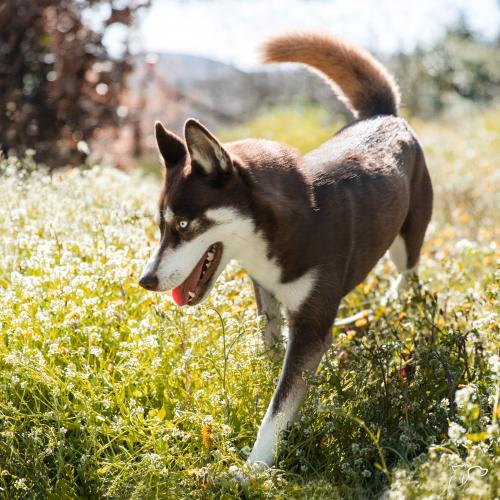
<point x="263" y="154"/>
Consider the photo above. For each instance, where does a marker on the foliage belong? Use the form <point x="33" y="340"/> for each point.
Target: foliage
<point x="59" y="84"/>
<point x="304" y="127"/>
<point x="288" y="125"/>
<point x="109" y="391"/>
<point x="458" y="69"/>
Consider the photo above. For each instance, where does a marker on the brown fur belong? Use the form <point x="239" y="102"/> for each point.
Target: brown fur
<point x="336" y="210"/>
<point x="358" y="79"/>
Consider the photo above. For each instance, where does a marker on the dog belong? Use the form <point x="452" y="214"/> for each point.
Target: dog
<point x="307" y="229"/>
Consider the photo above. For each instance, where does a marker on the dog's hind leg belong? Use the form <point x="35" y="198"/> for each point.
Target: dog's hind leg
<point x="269" y="307"/>
<point x="399" y="257"/>
<point x="405" y="250"/>
<point x="306" y="346"/>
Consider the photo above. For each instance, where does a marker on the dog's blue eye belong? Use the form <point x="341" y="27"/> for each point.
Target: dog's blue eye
<point x="183" y="224"/>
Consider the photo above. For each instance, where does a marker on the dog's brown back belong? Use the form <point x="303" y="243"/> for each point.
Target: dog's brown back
<point x="370" y="182"/>
<point x="307" y="229"/>
<point x="370" y="192"/>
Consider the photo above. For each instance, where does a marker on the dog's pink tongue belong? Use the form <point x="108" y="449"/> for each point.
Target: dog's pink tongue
<point x="181" y="293"/>
<point x="179" y="296"/>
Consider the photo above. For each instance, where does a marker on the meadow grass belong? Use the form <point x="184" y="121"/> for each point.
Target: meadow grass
<point x="107" y="391"/>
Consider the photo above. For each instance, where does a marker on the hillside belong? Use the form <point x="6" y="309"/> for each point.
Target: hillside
<point x="219" y="94"/>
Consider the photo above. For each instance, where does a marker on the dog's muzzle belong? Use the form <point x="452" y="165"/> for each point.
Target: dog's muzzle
<point x="149" y="282"/>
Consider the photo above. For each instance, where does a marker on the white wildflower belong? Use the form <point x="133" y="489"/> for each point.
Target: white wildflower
<point x="455" y="431"/>
<point x="464" y="396"/>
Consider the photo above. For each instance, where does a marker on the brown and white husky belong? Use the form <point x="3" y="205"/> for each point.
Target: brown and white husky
<point x="308" y="228"/>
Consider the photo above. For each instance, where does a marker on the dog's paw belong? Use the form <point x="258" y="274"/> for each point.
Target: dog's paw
<point x="238" y="474"/>
<point x="394" y="292"/>
<point x="242" y="476"/>
<point x="247" y="473"/>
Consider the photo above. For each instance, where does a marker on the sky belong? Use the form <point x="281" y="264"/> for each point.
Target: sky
<point x="231" y="30"/>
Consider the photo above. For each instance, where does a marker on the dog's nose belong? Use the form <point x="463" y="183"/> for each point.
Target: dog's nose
<point x="149" y="282"/>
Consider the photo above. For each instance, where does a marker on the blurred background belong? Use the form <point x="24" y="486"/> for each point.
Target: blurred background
<point x="84" y="80"/>
<point x="110" y="392"/>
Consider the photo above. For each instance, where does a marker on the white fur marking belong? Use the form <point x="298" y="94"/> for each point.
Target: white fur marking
<point x="398" y="254"/>
<point x="199" y="156"/>
<point x="266" y="444"/>
<point x="250" y="249"/>
<point x="204" y="162"/>
<point x="168" y="215"/>
<point x="241" y="242"/>
<point x="223" y="160"/>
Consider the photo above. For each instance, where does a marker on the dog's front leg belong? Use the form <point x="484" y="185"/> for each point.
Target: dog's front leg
<point x="269" y="307"/>
<point x="306" y="346"/>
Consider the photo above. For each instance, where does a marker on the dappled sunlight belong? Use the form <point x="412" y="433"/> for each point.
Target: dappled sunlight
<point x="118" y="392"/>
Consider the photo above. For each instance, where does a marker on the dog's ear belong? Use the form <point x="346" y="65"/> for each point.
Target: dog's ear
<point x="207" y="153"/>
<point x="172" y="148"/>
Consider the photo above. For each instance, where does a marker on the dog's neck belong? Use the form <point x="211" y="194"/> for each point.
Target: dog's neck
<point x="281" y="206"/>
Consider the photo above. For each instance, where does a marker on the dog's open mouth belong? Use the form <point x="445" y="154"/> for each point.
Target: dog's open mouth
<point x="193" y="289"/>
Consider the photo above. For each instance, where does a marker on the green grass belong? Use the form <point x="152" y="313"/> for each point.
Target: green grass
<point x="108" y="391"/>
<point x="304" y="127"/>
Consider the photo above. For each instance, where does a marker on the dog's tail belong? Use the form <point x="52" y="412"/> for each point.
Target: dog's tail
<point x="358" y="79"/>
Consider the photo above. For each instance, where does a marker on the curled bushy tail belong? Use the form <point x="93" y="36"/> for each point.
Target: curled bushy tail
<point x="358" y="79"/>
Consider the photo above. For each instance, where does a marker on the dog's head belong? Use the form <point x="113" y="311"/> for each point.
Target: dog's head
<point x="197" y="214"/>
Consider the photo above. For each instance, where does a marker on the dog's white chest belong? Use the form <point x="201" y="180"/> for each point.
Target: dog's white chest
<point x="245" y="244"/>
<point x="248" y="246"/>
<point x="291" y="294"/>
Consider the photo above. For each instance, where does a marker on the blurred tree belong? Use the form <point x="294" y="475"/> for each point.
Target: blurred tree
<point x="58" y="83"/>
<point x="457" y="68"/>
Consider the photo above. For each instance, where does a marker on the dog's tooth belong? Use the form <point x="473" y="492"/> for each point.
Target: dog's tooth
<point x="191" y="295"/>
<point x="210" y="256"/>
